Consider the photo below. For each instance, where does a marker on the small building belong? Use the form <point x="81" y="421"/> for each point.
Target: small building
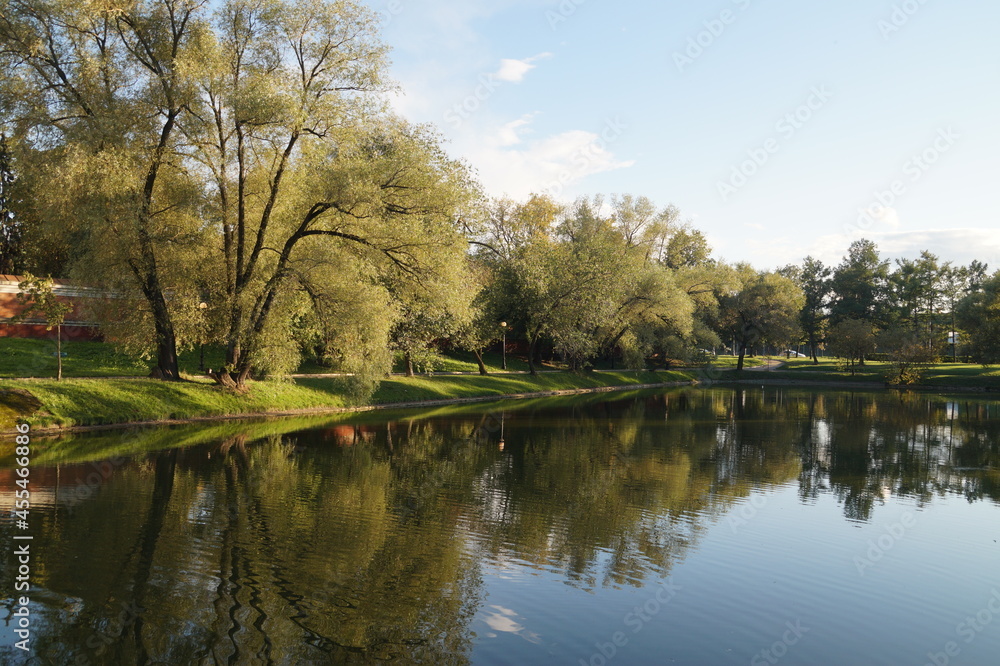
<point x="77" y="325"/>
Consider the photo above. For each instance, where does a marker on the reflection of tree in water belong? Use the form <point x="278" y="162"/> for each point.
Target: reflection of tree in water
<point x="866" y="446"/>
<point x="362" y="542"/>
<point x="612" y="493"/>
<point x="242" y="555"/>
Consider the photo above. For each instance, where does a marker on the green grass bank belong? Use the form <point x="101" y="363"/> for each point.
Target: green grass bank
<point x="88" y="402"/>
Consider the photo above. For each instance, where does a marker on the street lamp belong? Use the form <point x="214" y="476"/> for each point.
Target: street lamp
<point x="201" y="361"/>
<point x="503" y="362"/>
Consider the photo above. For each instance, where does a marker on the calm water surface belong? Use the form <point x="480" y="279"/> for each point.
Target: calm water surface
<point x="715" y="526"/>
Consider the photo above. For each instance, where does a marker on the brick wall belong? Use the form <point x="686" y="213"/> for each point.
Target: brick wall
<point x="77" y="326"/>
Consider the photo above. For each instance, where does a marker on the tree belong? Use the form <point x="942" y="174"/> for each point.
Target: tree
<point x="978" y="314"/>
<point x="859" y="285"/>
<point x="814" y="280"/>
<point x="686" y="247"/>
<point x="101" y="89"/>
<point x="10" y="227"/>
<point x="760" y="307"/>
<point x="482" y="327"/>
<point x="235" y="158"/>
<point x="909" y="355"/>
<point x="429" y="311"/>
<point x="851" y="340"/>
<point x="37" y="299"/>
<point x="916" y="289"/>
<point x="957" y="283"/>
<point x="306" y="165"/>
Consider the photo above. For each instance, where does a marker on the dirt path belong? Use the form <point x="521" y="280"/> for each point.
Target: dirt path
<point x="769" y="364"/>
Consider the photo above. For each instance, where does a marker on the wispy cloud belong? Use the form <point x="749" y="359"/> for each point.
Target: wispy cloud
<point x="510" y="164"/>
<point x="960" y="246"/>
<point x="514" y="71"/>
<point x="510" y="134"/>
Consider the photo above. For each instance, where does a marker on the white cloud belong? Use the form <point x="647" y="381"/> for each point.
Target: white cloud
<point x="513" y="71"/>
<point x="959" y="246"/>
<point x="509" y="134"/>
<point x="504" y="621"/>
<point x="553" y="163"/>
<point x="885" y="215"/>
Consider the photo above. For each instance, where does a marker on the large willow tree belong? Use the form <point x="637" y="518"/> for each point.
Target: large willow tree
<point x="242" y="158"/>
<point x="94" y="93"/>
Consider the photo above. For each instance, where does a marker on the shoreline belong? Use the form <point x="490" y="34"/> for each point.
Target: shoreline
<point x="694" y="379"/>
<point x="830" y="383"/>
<point x="49" y="431"/>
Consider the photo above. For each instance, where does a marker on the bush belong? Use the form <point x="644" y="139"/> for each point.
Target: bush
<point x="909" y="357"/>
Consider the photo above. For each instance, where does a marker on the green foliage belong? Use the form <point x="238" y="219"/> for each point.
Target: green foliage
<point x="591" y="284"/>
<point x="909" y="355"/>
<point x="851" y="340"/>
<point x="759" y="308"/>
<point x="814" y="279"/>
<point x="11" y="228"/>
<point x="37" y="298"/>
<point x="859" y="285"/>
<point x="978" y="314"/>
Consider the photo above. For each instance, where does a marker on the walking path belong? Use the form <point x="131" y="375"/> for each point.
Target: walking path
<point x="769" y="364"/>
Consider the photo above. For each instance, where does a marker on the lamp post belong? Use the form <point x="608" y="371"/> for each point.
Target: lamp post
<point x="503" y="361"/>
<point x="201" y="360"/>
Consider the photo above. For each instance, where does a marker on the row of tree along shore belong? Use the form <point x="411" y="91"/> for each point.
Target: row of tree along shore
<point x="231" y="173"/>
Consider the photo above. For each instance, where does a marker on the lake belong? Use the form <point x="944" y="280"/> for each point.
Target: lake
<point x="689" y="526"/>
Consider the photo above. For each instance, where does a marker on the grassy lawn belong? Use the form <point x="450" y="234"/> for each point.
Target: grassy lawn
<point x="89" y="402"/>
<point x="403" y="389"/>
<point x="459" y="361"/>
<point x="938" y="374"/>
<point x="37" y="358"/>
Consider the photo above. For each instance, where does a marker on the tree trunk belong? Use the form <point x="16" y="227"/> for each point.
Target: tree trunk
<point x="166" y="351"/>
<point x="743" y="351"/>
<point x="409" y="364"/>
<point x="479" y="361"/>
<point x="531" y="355"/>
<point x="166" y="342"/>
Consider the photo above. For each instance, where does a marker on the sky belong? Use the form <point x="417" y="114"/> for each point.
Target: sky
<point x="779" y="128"/>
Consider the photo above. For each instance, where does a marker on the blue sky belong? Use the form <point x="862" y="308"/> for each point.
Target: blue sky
<point x="779" y="128"/>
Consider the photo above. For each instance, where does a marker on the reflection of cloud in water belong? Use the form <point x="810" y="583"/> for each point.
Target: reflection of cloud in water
<point x="503" y="620"/>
